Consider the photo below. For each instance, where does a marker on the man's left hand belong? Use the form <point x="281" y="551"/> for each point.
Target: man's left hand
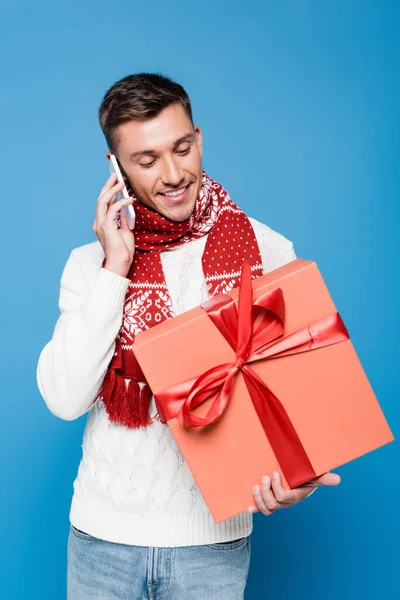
<point x="270" y="495"/>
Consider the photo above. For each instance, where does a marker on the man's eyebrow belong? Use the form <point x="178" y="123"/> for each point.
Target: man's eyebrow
<point x="188" y="137"/>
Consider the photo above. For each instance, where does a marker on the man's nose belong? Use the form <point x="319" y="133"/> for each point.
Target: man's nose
<point x="171" y="174"/>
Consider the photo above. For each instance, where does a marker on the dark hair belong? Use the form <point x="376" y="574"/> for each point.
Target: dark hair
<point x="139" y="97"/>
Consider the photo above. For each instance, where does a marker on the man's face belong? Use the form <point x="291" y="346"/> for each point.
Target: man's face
<point x="163" y="155"/>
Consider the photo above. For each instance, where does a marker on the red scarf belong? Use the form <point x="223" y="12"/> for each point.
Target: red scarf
<point x="230" y="240"/>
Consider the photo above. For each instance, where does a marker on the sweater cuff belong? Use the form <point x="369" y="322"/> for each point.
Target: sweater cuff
<point x="112" y="287"/>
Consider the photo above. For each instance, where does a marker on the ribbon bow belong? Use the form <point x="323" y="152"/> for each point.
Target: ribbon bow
<point x="254" y="331"/>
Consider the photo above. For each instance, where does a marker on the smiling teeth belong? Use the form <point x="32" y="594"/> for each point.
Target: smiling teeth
<point x="177" y="193"/>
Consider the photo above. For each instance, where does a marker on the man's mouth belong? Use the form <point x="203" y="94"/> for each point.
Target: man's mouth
<point x="175" y="195"/>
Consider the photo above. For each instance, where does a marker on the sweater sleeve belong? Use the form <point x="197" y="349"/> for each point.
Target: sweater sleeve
<point x="72" y="365"/>
<point x="275" y="249"/>
<point x="283" y="254"/>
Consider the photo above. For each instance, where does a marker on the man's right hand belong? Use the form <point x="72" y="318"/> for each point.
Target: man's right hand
<point x="118" y="243"/>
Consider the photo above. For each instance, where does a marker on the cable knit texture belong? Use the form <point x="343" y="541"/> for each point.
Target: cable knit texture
<point x="133" y="486"/>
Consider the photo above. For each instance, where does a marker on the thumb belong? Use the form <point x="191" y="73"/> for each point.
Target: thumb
<point x="124" y="220"/>
<point x="328" y="479"/>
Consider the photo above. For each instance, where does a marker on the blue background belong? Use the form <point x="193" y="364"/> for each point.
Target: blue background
<point x="299" y="106"/>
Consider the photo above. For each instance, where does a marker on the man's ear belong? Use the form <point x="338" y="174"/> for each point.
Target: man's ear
<point x="108" y="154"/>
<point x="199" y="138"/>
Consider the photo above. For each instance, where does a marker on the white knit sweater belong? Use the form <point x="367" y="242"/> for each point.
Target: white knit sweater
<point x="133" y="486"/>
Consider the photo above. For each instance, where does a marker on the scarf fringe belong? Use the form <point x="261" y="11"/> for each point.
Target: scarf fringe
<point x="128" y="406"/>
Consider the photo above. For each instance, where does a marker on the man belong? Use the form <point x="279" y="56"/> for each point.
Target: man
<point x="139" y="524"/>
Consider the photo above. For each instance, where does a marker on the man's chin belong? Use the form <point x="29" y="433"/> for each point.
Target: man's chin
<point x="178" y="214"/>
<point x="180" y="211"/>
<point x="178" y="217"/>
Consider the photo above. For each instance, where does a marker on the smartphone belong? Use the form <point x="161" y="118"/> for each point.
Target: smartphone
<point x="129" y="210"/>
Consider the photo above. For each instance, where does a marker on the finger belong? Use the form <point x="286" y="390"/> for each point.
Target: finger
<point x="124" y="220"/>
<point x="115" y="211"/>
<point x="327" y="479"/>
<point x="108" y="198"/>
<point x="116" y="207"/>
<point x="252" y="509"/>
<point x="259" y="499"/>
<point x="111" y="193"/>
<point x="284" y="497"/>
<point x="259" y="502"/>
<point x="109" y="183"/>
<point x="268" y="495"/>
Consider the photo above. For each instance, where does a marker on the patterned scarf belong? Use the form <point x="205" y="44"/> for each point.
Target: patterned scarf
<point x="230" y="240"/>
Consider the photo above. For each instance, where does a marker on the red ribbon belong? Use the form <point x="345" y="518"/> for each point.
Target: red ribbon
<point x="237" y="326"/>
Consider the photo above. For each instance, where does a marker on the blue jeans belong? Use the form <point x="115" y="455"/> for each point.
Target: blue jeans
<point x="106" y="570"/>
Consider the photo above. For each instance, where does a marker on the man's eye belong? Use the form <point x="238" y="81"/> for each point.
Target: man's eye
<point x="182" y="152"/>
<point x="147" y="165"/>
<point x="186" y="151"/>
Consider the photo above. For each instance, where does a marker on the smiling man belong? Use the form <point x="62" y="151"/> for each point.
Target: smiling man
<point x="139" y="524"/>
